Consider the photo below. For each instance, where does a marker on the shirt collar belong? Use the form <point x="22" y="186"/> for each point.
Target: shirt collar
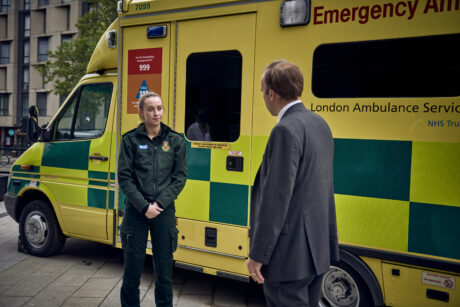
<point x="286" y="107"/>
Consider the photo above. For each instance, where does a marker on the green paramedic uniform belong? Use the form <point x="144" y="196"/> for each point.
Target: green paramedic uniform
<point x="150" y="170"/>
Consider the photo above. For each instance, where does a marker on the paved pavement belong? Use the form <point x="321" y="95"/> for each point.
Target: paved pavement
<point x="89" y="274"/>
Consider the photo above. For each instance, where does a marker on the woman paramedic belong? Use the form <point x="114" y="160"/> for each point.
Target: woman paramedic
<point x="152" y="170"/>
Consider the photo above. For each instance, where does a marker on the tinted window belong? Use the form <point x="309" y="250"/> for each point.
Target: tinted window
<point x="409" y="67"/>
<point x="85" y="114"/>
<point x="213" y="96"/>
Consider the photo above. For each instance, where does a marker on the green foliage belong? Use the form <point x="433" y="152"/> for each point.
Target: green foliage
<point x="68" y="63"/>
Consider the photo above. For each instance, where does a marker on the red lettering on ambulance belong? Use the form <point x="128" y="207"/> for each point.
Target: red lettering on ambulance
<point x="388" y="7"/>
<point x="363" y="15"/>
<point x="353" y="13"/>
<point x="398" y="5"/>
<point x="345" y="15"/>
<point x="317" y="14"/>
<point x="376" y="11"/>
<point x="333" y="16"/>
<point x="431" y="4"/>
<point x="412" y="9"/>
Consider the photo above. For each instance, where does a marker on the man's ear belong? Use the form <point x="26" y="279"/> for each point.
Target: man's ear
<point x="272" y="94"/>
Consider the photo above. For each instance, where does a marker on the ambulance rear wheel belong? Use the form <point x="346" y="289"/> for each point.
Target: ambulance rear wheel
<point x="39" y="230"/>
<point x="343" y="287"/>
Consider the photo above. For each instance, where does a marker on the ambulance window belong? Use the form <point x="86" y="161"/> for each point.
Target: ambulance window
<point x="213" y="96"/>
<point x="85" y="114"/>
<point x="410" y="67"/>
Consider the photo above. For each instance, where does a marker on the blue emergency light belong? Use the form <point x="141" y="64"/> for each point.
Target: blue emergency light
<point x="156" y="31"/>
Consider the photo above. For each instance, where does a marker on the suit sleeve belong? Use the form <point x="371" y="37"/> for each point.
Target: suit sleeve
<point x="281" y="161"/>
<point x="333" y="234"/>
<point x="127" y="177"/>
<point x="178" y="176"/>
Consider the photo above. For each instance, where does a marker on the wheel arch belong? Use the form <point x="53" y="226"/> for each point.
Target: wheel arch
<point x="366" y="274"/>
<point x="42" y="193"/>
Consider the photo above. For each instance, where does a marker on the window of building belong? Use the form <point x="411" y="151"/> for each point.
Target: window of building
<point x="26" y="4"/>
<point x="67" y="18"/>
<point x="213" y="95"/>
<point x="85" y="114"/>
<point x="409" y="67"/>
<point x="25" y="104"/>
<point x="3" y="26"/>
<point x="2" y="78"/>
<point x="26" y="25"/>
<point x="4" y="104"/>
<point x="26" y="59"/>
<point x="43" y="49"/>
<point x="86" y="7"/>
<point x="5" y="52"/>
<point x="42" y="103"/>
<point x="5" y="5"/>
<point x="43" y="2"/>
<point x="26" y="79"/>
<point x="66" y="38"/>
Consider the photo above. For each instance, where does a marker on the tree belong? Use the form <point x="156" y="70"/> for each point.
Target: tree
<point x="68" y="63"/>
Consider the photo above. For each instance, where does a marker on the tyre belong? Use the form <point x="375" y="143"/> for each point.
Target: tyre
<point x="343" y="287"/>
<point x="39" y="230"/>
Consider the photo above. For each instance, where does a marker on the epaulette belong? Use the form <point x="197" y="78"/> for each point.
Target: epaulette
<point x="132" y="130"/>
<point x="178" y="133"/>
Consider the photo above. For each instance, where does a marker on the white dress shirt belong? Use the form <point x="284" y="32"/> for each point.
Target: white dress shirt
<point x="286" y="107"/>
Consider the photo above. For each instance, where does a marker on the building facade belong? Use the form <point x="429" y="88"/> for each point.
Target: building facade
<point x="28" y="30"/>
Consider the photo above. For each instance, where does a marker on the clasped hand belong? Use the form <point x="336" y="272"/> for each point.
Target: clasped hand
<point x="153" y="210"/>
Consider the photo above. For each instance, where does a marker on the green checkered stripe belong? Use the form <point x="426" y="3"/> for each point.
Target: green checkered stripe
<point x="97" y="197"/>
<point x="22" y="178"/>
<point x="408" y="190"/>
<point x="228" y="203"/>
<point x="78" y="159"/>
<point x="77" y="153"/>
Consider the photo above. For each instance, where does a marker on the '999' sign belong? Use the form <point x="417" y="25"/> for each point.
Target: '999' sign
<point x="144" y="61"/>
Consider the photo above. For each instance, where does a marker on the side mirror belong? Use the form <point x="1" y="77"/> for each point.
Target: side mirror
<point x="46" y="135"/>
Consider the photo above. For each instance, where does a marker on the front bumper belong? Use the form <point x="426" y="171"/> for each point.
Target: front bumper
<point x="11" y="202"/>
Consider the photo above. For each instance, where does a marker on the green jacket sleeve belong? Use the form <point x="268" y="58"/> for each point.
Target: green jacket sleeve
<point x="127" y="176"/>
<point x="178" y="176"/>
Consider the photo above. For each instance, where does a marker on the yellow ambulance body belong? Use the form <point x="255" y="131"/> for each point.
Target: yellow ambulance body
<point x="384" y="75"/>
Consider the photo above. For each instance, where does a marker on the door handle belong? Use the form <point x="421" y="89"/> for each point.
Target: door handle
<point x="100" y="158"/>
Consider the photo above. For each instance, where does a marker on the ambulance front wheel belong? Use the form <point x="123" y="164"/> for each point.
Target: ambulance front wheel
<point x="39" y="230"/>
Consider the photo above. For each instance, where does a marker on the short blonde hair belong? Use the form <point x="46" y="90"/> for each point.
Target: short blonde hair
<point x="145" y="96"/>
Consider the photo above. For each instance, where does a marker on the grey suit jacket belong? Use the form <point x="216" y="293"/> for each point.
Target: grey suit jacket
<point x="293" y="223"/>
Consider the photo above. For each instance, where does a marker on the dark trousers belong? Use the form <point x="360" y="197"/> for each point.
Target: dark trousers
<point x="304" y="292"/>
<point x="134" y="234"/>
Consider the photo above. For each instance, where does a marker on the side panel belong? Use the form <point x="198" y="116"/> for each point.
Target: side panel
<point x="413" y="287"/>
<point x="76" y="171"/>
<point x="214" y="196"/>
<point x="396" y="172"/>
<point x="144" y="67"/>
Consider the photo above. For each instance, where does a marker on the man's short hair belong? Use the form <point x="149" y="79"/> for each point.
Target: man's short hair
<point x="284" y="78"/>
<point x="144" y="97"/>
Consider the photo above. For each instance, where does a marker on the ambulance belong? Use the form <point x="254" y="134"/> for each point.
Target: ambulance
<point x="384" y="74"/>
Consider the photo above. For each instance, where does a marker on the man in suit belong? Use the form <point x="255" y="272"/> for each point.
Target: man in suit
<point x="293" y="223"/>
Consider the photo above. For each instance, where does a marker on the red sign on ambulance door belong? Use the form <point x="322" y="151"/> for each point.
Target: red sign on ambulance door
<point x="144" y="75"/>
